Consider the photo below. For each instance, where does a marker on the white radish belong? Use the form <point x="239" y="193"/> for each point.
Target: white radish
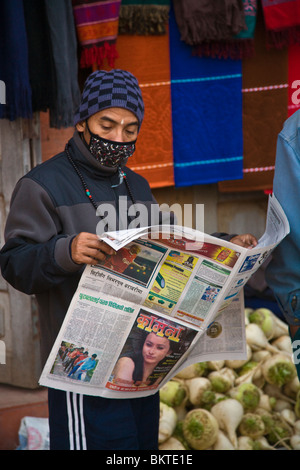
<point x="262" y="354"/>
<point x="266" y="402"/>
<point x="297" y="427"/>
<point x="283" y="343"/>
<point x="295" y="442"/>
<point x="245" y="443"/>
<point x="281" y="405"/>
<point x="172" y="444"/>
<point x="196" y="387"/>
<point x="229" y="414"/>
<point x="265" y="319"/>
<point x="167" y="422"/>
<point x="215" y="365"/>
<point x="289" y="416"/>
<point x="222" y="380"/>
<point x="252" y="425"/>
<point x="193" y="370"/>
<point x="256" y="339"/>
<point x="247" y="312"/>
<point x="222" y="442"/>
<point x="263" y="443"/>
<point x="281" y="328"/>
<point x="274" y="391"/>
<point x="200" y="429"/>
<point x="291" y="388"/>
<point x="279" y="369"/>
<point x="237" y="363"/>
<point x="253" y="374"/>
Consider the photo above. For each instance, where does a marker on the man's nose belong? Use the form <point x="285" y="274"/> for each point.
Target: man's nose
<point x="119" y="134"/>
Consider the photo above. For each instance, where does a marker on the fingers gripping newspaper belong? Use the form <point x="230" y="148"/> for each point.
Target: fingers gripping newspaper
<point x="170" y="296"/>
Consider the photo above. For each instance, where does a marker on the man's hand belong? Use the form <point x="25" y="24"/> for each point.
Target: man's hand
<point x="86" y="248"/>
<point x="246" y="240"/>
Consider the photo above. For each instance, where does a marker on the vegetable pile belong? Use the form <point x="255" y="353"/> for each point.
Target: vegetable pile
<point x="251" y="404"/>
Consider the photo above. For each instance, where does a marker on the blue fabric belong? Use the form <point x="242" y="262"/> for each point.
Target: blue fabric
<point x="283" y="272"/>
<point x="14" y="71"/>
<point x="206" y="98"/>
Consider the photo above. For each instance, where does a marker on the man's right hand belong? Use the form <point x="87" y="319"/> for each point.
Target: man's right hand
<point x="86" y="248"/>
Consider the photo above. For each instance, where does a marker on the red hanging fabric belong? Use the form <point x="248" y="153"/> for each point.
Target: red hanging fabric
<point x="282" y="22"/>
<point x="97" y="29"/>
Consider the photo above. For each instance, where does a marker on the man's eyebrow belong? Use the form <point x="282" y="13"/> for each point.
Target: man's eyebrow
<point x="113" y="121"/>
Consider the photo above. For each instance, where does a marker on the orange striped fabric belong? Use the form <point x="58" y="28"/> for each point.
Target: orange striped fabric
<point x="91" y="33"/>
<point x="148" y="58"/>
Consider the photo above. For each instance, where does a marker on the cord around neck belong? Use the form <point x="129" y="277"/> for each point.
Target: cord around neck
<point x="85" y="187"/>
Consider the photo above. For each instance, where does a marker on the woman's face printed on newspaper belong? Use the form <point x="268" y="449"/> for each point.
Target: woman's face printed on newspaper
<point x="155" y="348"/>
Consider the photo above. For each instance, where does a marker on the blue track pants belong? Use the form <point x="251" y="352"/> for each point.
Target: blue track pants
<point x="81" y="422"/>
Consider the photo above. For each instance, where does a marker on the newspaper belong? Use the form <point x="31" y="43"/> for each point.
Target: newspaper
<point x="170" y="296"/>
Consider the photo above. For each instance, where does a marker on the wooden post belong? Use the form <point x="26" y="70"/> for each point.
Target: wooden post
<point x="19" y="152"/>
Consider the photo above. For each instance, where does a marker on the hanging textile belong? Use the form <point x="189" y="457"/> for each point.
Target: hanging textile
<point x="153" y="157"/>
<point x="14" y="75"/>
<point x="40" y="56"/>
<point x="201" y="21"/>
<point x="206" y="115"/>
<point x="264" y="112"/>
<point x="144" y="17"/>
<point x="64" y="49"/>
<point x="239" y="46"/>
<point x="293" y="78"/>
<point x="97" y="30"/>
<point x="282" y="22"/>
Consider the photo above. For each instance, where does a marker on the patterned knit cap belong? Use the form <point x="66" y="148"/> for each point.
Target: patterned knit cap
<point x="116" y="88"/>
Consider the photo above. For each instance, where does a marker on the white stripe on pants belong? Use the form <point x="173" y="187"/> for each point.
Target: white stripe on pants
<point x="76" y="421"/>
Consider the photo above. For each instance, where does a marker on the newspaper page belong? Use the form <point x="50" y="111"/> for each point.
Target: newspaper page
<point x="170" y="296"/>
<point x="224" y="338"/>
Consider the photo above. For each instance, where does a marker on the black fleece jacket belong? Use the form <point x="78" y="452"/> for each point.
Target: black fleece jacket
<point x="48" y="208"/>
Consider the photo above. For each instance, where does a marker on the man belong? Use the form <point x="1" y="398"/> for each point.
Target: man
<point x="51" y="234"/>
<point x="86" y="366"/>
<point x="283" y="271"/>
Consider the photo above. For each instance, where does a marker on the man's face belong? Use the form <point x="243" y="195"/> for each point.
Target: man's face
<point x="116" y="124"/>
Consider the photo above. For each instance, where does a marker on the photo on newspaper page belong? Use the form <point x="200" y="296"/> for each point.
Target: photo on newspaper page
<point x="136" y="261"/>
<point x="151" y="351"/>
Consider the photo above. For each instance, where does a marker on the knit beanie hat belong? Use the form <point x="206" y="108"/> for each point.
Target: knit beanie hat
<point x="115" y="88"/>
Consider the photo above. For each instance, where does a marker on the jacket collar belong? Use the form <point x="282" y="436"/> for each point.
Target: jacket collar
<point x="83" y="157"/>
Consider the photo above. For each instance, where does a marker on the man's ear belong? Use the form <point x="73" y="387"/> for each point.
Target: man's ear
<point x="80" y="126"/>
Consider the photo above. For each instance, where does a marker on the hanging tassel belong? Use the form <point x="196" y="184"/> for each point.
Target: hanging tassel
<point x="97" y="55"/>
<point x="236" y="49"/>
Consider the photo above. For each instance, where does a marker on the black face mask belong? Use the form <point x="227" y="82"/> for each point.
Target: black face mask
<point x="108" y="152"/>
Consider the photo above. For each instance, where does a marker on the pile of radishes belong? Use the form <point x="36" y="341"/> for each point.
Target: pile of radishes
<point x="251" y="404"/>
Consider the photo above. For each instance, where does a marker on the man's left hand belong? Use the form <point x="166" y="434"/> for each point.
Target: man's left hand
<point x="246" y="240"/>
